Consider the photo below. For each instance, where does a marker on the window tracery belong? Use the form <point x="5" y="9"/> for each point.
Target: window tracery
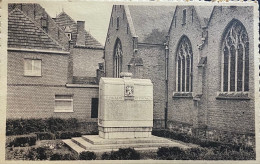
<point x="184" y="63"/>
<point x="235" y="59"/>
<point x="117" y="59"/>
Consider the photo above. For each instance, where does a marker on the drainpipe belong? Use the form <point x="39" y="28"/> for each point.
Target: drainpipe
<point x="166" y="80"/>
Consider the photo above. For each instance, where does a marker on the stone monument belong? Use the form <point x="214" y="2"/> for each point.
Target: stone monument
<point x="125" y="117"/>
<point x="125" y="107"/>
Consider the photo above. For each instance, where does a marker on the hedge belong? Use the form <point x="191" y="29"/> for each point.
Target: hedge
<point x="87" y="155"/>
<point x="176" y="153"/>
<point x="122" y="154"/>
<point x="26" y="126"/>
<point x="202" y="142"/>
<point x="21" y="140"/>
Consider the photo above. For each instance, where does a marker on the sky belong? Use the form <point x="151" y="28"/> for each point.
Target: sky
<point x="95" y="14"/>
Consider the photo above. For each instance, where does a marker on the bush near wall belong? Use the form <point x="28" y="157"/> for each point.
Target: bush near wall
<point x="52" y="125"/>
<point x="202" y="142"/>
<point x="176" y="153"/>
<point x="22" y="140"/>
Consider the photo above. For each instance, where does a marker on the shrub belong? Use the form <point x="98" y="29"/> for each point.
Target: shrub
<point x="45" y="136"/>
<point x="56" y="156"/>
<point x="105" y="156"/>
<point x="122" y="154"/>
<point x="67" y="134"/>
<point x="22" y="140"/>
<point x="69" y="156"/>
<point x="39" y="153"/>
<point x="87" y="155"/>
<point x="170" y="153"/>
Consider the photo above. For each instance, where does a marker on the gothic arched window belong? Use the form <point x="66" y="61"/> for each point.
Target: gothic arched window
<point x="184" y="64"/>
<point x="235" y="58"/>
<point x="117" y="59"/>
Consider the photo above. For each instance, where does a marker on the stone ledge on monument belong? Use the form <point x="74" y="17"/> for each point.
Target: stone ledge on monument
<point x="85" y="143"/>
<point x="96" y="140"/>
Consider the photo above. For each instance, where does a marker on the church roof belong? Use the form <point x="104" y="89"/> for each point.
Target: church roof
<point x="25" y="33"/>
<point x="204" y="13"/>
<point x="151" y="23"/>
<point x="65" y="21"/>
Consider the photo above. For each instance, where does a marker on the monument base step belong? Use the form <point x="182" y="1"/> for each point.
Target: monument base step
<point x="97" y="144"/>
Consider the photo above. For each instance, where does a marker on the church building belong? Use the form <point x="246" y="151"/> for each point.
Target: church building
<point x="200" y="60"/>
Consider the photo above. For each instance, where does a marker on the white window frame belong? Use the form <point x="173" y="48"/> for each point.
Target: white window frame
<point x="62" y="109"/>
<point x="32" y="72"/>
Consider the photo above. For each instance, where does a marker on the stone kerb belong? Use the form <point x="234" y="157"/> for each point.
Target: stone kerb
<point x="125" y="107"/>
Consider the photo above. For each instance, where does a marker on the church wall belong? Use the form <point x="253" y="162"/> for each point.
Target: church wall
<point x="229" y="115"/>
<point x="125" y="37"/>
<point x="182" y="110"/>
<point x="86" y="61"/>
<point x="154" y="68"/>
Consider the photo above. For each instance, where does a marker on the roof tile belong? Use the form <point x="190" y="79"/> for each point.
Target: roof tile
<point x="24" y="33"/>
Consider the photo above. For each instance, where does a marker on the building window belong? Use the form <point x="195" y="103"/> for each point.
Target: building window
<point x="63" y="103"/>
<point x="184" y="66"/>
<point x="44" y="24"/>
<point x="94" y="108"/>
<point x="184" y="16"/>
<point x="235" y="58"/>
<point x="117" y="64"/>
<point x="117" y="23"/>
<point x="32" y="67"/>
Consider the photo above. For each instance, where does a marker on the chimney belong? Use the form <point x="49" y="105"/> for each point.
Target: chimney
<point x="81" y="33"/>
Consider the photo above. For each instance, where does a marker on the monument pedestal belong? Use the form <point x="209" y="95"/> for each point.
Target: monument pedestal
<point x="125" y="118"/>
<point x="97" y="144"/>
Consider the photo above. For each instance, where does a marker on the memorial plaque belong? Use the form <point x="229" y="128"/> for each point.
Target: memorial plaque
<point x="125" y="107"/>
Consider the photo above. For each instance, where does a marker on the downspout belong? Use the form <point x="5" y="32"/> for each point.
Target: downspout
<point x="166" y="80"/>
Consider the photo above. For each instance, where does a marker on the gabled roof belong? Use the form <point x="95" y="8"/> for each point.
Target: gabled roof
<point x="204" y="13"/>
<point x="25" y="33"/>
<point x="151" y="23"/>
<point x="64" y="20"/>
<point x="36" y="12"/>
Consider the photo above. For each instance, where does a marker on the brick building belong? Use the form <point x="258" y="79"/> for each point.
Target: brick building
<point x="200" y="60"/>
<point x="43" y="78"/>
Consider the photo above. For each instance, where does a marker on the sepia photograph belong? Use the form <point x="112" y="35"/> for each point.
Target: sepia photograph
<point x="130" y="81"/>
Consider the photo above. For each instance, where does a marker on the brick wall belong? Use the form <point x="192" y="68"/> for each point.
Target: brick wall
<point x="34" y="97"/>
<point x="85" y="61"/>
<point x="54" y="68"/>
<point x="39" y="102"/>
<point x="154" y="69"/>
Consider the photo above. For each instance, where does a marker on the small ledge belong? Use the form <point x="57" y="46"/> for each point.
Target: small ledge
<point x="81" y="86"/>
<point x="182" y="95"/>
<point x="232" y="96"/>
<point x="63" y="111"/>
